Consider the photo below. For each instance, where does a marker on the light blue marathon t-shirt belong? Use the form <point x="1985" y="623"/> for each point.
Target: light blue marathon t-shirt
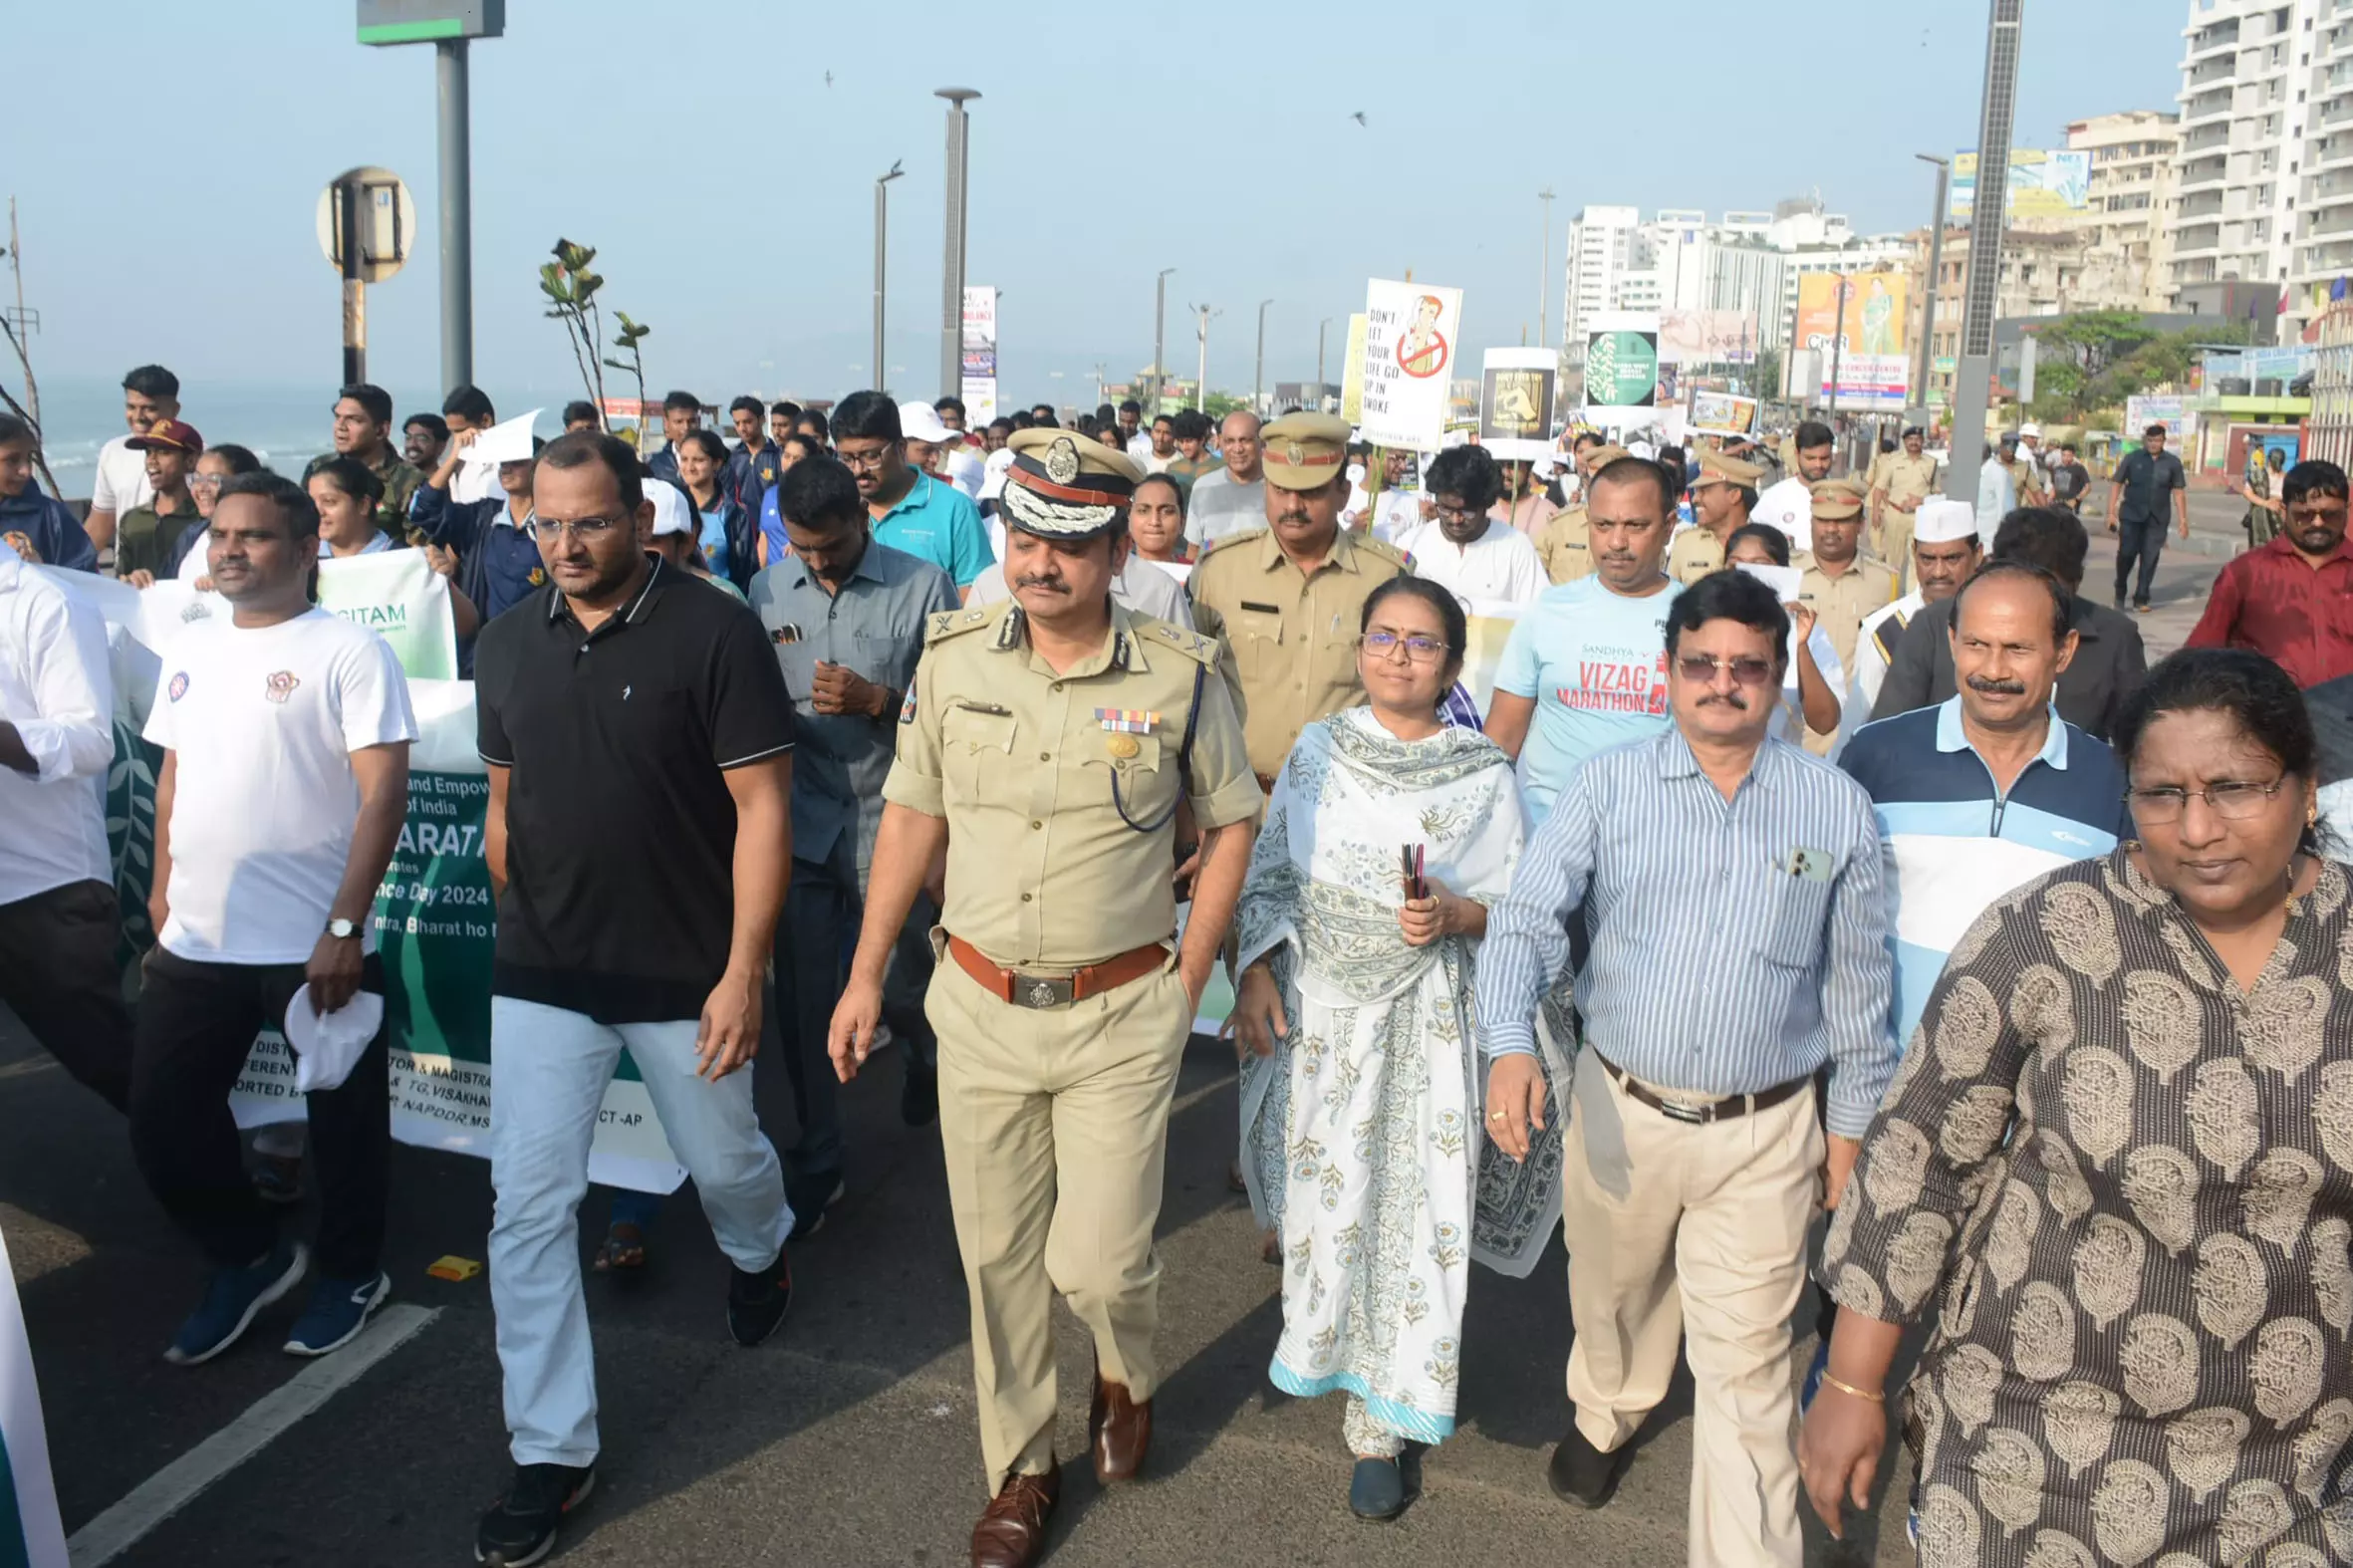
<point x="1596" y="663"/>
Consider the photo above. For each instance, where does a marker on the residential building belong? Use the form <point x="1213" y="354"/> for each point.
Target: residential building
<point x="1602" y="251"/>
<point x="2249" y="75"/>
<point x="2127" y="247"/>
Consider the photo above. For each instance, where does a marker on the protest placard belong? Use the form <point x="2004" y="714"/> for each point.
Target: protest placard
<point x="1723" y="413"/>
<point x="1410" y="335"/>
<point x="1622" y="368"/>
<point x="399" y="596"/>
<point x="1515" y="405"/>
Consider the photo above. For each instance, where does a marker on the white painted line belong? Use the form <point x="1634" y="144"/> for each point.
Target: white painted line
<point x="181" y="1482"/>
<point x="1186" y="1102"/>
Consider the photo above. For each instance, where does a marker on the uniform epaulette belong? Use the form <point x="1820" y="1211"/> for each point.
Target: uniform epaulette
<point x="1160" y="633"/>
<point x="945" y="624"/>
<point x="1383" y="550"/>
<point x="1228" y="541"/>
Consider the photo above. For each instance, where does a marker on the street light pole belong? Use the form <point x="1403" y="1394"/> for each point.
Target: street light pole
<point x="1544" y="278"/>
<point x="1159" y="349"/>
<point x="1319" y="363"/>
<point x="951" y="305"/>
<point x="882" y="232"/>
<point x="1973" y="380"/>
<point x="1201" y="386"/>
<point x="1936" y="278"/>
<point x="1258" y="373"/>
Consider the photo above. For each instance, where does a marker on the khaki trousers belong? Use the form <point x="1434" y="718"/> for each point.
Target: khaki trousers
<point x="1056" y="1127"/>
<point x="1677" y="1232"/>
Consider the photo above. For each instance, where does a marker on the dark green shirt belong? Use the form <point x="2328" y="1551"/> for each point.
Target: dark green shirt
<point x="144" y="538"/>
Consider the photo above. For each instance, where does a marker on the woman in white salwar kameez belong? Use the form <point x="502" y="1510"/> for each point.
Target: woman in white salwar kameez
<point x="1361" y="1099"/>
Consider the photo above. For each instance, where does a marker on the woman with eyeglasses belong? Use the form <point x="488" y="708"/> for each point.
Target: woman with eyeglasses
<point x="183" y="557"/>
<point x="1388" y="835"/>
<point x="2121" y="1163"/>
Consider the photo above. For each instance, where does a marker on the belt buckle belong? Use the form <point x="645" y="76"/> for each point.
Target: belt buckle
<point x="1044" y="990"/>
<point x="1682" y="1110"/>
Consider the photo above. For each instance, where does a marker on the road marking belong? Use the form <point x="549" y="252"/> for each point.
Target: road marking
<point x="181" y="1482"/>
<point x="1186" y="1102"/>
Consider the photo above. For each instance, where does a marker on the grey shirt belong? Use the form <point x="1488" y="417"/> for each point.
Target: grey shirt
<point x="874" y="627"/>
<point x="1221" y="505"/>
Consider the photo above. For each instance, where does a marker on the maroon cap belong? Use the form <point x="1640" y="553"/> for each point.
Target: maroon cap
<point x="169" y="435"/>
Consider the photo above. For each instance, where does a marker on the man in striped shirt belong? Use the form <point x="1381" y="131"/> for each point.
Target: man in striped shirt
<point x="1737" y="897"/>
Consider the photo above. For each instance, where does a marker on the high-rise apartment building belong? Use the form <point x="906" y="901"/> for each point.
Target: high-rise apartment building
<point x="2252" y="99"/>
<point x="2127" y="244"/>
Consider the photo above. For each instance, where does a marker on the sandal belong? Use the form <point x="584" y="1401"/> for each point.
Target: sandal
<point x="624" y="1250"/>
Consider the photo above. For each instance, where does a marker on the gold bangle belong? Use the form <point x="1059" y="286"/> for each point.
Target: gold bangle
<point x="1848" y="1387"/>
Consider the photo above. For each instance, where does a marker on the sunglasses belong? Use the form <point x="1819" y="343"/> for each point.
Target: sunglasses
<point x="1701" y="669"/>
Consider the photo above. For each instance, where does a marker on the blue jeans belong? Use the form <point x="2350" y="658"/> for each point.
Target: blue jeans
<point x="548" y="1072"/>
<point x="2144" y="539"/>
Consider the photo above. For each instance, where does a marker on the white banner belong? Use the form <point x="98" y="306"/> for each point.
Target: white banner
<point x="35" y="1536"/>
<point x="1411" y="331"/>
<point x="399" y="596"/>
<point x="979" y="344"/>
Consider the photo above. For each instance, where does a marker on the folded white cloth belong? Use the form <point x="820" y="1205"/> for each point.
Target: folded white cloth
<point x="327" y="1046"/>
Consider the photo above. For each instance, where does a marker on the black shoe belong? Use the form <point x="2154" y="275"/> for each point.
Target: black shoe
<point x="919" y="1096"/>
<point x="1582" y="1474"/>
<point x="756" y="1303"/>
<point x="810" y="1195"/>
<point x="521" y="1529"/>
<point x="2120" y="605"/>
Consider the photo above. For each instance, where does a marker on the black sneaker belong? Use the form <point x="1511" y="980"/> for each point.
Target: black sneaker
<point x="811" y="1195"/>
<point x="756" y="1303"/>
<point x="521" y="1529"/>
<point x="919" y="1096"/>
<point x="1582" y="1474"/>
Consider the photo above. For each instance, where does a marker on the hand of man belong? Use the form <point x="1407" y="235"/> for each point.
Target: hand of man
<point x="334" y="971"/>
<point x="22" y="543"/>
<point x="835" y="688"/>
<point x="729" y="1033"/>
<point x="852" y="1033"/>
<point x="1515" y="1101"/>
<point x="1838" y="1164"/>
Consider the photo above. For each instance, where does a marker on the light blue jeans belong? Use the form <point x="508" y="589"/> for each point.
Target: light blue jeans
<point x="549" y="1069"/>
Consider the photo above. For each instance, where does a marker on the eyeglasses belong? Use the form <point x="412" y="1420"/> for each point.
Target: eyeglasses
<point x="206" y="481"/>
<point x="1418" y="650"/>
<point x="2231" y="800"/>
<point x="588" y="530"/>
<point x="1747" y="670"/>
<point x="873" y="459"/>
<point x="1459" y="514"/>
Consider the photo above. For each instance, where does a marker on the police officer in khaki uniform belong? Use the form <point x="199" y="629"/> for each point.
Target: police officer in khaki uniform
<point x="2025" y="475"/>
<point x="1564" y="544"/>
<point x="1045" y="745"/>
<point x="1723" y="495"/>
<point x="1840" y="583"/>
<point x="1905" y="479"/>
<point x="1290" y="595"/>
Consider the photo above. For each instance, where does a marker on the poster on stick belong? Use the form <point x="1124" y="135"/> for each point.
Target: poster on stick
<point x="1516" y="404"/>
<point x="1723" y="413"/>
<point x="1411" y="331"/>
<point x="1622" y="366"/>
<point x="1352" y="375"/>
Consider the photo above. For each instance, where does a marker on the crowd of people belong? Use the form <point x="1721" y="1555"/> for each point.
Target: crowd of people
<point x="1814" y="884"/>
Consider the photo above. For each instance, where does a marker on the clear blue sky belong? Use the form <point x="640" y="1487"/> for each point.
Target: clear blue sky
<point x="167" y="159"/>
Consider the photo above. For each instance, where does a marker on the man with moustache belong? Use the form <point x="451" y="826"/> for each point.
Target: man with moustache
<point x="1839" y="582"/>
<point x="2291" y="599"/>
<point x="1724" y="494"/>
<point x="1944" y="553"/>
<point x="1044" y="748"/>
<point x="1906" y="480"/>
<point x="1564" y="546"/>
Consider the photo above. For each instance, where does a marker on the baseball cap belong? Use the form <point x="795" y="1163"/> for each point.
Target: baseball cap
<point x="167" y="436"/>
<point x="672" y="513"/>
<point x="920" y="422"/>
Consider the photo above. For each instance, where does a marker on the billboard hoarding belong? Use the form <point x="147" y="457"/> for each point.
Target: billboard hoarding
<point x="2042" y="185"/>
<point x="1706" y="338"/>
<point x="1865" y="339"/>
<point x="979" y="344"/>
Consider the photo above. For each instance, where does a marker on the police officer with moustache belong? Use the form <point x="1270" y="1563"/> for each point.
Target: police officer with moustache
<point x="1045" y="746"/>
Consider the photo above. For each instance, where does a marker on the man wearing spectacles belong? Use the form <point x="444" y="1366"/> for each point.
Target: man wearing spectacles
<point x="913" y="512"/>
<point x="1693" y="1162"/>
<point x="1475" y="555"/>
<point x="2291" y="599"/>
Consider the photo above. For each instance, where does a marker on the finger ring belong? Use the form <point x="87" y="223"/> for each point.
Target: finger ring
<point x="1497" y="1116"/>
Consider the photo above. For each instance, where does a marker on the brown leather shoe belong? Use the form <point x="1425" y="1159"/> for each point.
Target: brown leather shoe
<point x="1118" y="1431"/>
<point x="1012" y="1528"/>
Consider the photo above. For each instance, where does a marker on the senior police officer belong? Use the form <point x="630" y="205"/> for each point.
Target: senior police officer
<point x="1290" y="595"/>
<point x="1723" y="495"/>
<point x="1045" y="745"/>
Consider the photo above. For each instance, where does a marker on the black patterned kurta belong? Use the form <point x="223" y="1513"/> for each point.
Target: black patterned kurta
<point x="2130" y="1187"/>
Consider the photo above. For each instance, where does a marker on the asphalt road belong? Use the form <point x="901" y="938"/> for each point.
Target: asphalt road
<point x="847" y="1440"/>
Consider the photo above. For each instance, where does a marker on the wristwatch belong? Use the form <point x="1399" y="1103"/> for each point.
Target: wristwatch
<point x="342" y="930"/>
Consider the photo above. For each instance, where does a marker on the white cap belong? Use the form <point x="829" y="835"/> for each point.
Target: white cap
<point x="2030" y="429"/>
<point x="672" y="514"/>
<point x="994" y="468"/>
<point x="1642" y="449"/>
<point x="920" y="422"/>
<point x="1941" y="521"/>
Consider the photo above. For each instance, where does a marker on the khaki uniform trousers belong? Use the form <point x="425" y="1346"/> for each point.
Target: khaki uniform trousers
<point x="1677" y="1232"/>
<point x="1895" y="547"/>
<point x="1056" y="1127"/>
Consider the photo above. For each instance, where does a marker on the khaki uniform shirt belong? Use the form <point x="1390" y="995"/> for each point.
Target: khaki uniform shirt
<point x="1044" y="863"/>
<point x="1841" y="602"/>
<point x="1293" y="635"/>
<point x="1908" y="478"/>
<point x="1565" y="546"/>
<point x="1692" y="554"/>
<point x="2028" y="480"/>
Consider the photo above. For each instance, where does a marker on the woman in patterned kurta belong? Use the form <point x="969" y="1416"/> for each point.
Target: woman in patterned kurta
<point x="1361" y="1131"/>
<point x="2120" y="1155"/>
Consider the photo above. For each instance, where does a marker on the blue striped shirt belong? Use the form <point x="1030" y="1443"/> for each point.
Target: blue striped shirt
<point x="1736" y="944"/>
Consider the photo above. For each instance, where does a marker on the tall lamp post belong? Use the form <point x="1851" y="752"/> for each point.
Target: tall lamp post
<point x="951" y="289"/>
<point x="1201" y="386"/>
<point x="1319" y="363"/>
<point x="1544" y="279"/>
<point x="1160" y="323"/>
<point x="882" y="232"/>
<point x="1973" y="380"/>
<point x="1928" y="323"/>
<point x="1258" y="372"/>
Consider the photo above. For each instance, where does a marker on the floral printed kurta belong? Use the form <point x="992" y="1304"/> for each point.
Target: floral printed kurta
<point x="2131" y="1185"/>
<point x="1361" y="1135"/>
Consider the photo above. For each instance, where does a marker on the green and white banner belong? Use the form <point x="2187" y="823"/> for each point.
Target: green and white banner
<point x="399" y="596"/>
<point x="435" y="918"/>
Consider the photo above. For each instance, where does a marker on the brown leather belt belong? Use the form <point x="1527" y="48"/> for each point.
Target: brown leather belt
<point x="1698" y="1113"/>
<point x="1025" y="989"/>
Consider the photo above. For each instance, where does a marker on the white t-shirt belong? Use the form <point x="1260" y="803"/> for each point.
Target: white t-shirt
<point x="264" y="720"/>
<point x="121" y="482"/>
<point x="1498" y="564"/>
<point x="1789" y="506"/>
<point x="57" y="688"/>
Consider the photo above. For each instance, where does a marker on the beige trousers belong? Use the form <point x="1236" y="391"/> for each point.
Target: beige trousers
<point x="1693" y="1234"/>
<point x="1056" y="1127"/>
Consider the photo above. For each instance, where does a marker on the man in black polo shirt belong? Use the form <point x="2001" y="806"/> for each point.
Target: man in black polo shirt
<point x="2145" y="480"/>
<point x="639" y="739"/>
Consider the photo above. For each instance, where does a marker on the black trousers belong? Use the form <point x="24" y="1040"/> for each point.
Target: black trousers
<point x="2143" y="540"/>
<point x="59" y="972"/>
<point x="196" y="1023"/>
